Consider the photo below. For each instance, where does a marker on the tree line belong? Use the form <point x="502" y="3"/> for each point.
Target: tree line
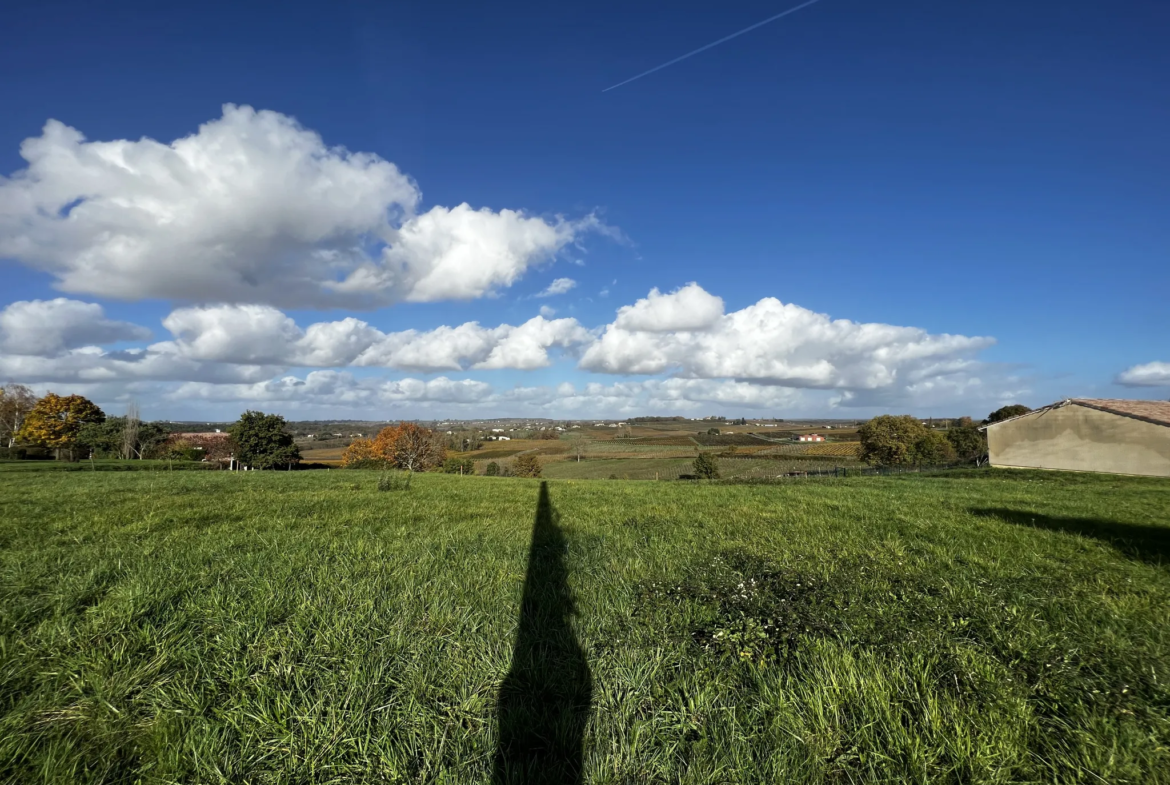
<point x="902" y="440"/>
<point x="72" y="427"/>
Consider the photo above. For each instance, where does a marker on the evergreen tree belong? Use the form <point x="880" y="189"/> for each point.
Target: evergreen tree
<point x="706" y="467"/>
<point x="262" y="442"/>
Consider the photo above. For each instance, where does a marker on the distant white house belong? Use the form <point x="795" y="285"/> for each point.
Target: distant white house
<point x="810" y="437"/>
<point x="503" y="438"/>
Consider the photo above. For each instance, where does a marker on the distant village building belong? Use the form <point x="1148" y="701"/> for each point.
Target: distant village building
<point x="1106" y="435"/>
<point x="810" y="437"/>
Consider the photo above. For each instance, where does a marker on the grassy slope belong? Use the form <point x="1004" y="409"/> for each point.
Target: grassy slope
<point x="277" y="627"/>
<point x="624" y="468"/>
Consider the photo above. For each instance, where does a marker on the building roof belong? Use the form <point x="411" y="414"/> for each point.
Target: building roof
<point x="1157" y="412"/>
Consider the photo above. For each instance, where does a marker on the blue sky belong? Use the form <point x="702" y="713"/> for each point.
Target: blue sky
<point x="980" y="189"/>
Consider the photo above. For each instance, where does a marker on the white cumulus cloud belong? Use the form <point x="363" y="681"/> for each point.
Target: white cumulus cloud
<point x="771" y="343"/>
<point x="691" y="354"/>
<point x="243" y="342"/>
<point x="44" y="328"/>
<point x="520" y="347"/>
<point x="1155" y="374"/>
<point x="263" y="334"/>
<point x="341" y="389"/>
<point x="254" y="208"/>
<point x="688" y="308"/>
<point x="668" y="396"/>
<point x="559" y="286"/>
<point x="91" y="364"/>
<point x="330" y="390"/>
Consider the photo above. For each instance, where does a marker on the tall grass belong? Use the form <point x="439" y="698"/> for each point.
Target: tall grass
<point x="305" y="628"/>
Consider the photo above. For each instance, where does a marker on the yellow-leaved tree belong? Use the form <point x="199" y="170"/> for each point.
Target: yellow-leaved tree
<point x="16" y="401"/>
<point x="55" y="420"/>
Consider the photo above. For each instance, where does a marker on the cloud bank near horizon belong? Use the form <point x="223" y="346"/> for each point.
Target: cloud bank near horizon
<point x="686" y="348"/>
<point x="254" y="215"/>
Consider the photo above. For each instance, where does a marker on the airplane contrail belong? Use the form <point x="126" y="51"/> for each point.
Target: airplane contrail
<point x="714" y="43"/>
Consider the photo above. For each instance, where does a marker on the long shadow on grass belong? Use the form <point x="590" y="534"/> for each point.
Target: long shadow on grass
<point x="544" y="701"/>
<point x="1150" y="544"/>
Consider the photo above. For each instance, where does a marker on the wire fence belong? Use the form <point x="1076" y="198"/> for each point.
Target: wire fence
<point x="853" y="470"/>
<point x="731" y="469"/>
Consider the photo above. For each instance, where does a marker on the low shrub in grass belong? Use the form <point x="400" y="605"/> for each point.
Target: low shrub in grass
<point x="367" y="463"/>
<point x="394" y="481"/>
<point x="492" y="470"/>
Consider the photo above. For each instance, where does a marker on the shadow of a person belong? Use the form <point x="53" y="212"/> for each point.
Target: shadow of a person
<point x="1148" y="543"/>
<point x="544" y="702"/>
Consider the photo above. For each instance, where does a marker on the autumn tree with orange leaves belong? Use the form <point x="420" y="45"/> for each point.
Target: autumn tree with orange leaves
<point x="405" y="446"/>
<point x="360" y="454"/>
<point x="413" y="448"/>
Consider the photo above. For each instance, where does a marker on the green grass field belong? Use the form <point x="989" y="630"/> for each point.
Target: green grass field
<point x="302" y="627"/>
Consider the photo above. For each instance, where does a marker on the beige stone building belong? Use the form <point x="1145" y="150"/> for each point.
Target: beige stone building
<point x="1086" y="435"/>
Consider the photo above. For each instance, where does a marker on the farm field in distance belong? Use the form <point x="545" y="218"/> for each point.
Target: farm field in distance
<point x="663" y="450"/>
<point x="971" y="626"/>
